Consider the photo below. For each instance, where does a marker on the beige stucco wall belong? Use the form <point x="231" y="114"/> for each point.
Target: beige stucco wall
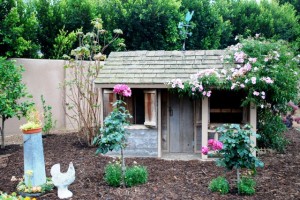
<point x="42" y="77"/>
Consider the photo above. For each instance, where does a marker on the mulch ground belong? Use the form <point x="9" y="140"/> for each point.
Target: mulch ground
<point x="279" y="179"/>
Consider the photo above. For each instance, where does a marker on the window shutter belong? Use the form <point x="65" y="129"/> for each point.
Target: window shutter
<point x="150" y="108"/>
<point x="108" y="99"/>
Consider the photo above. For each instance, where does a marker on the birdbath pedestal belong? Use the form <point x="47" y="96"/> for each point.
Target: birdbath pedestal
<point x="34" y="163"/>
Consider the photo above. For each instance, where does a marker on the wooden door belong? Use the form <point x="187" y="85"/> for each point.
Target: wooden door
<point x="181" y="124"/>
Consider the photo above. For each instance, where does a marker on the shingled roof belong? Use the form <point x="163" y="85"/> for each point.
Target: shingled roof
<point x="155" y="68"/>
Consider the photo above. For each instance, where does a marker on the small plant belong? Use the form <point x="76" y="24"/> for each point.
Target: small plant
<point x="136" y="175"/>
<point x="48" y="186"/>
<point x="237" y="152"/>
<point x="33" y="120"/>
<point x="49" y="123"/>
<point x="13" y="196"/>
<point x="219" y="184"/>
<point x="113" y="174"/>
<point x="113" y="134"/>
<point x="246" y="186"/>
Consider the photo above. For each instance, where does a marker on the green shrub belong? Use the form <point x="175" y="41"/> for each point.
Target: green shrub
<point x="271" y="129"/>
<point x="246" y="186"/>
<point x="219" y="184"/>
<point x="113" y="174"/>
<point x="136" y="175"/>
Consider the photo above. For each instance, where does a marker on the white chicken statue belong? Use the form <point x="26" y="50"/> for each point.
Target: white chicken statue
<point x="63" y="180"/>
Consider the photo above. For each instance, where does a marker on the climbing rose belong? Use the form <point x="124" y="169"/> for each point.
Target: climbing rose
<point x="255" y="93"/>
<point x="122" y="89"/>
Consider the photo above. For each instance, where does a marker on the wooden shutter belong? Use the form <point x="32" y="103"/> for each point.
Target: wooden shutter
<point x="150" y="108"/>
<point x="108" y="99"/>
<point x="129" y="107"/>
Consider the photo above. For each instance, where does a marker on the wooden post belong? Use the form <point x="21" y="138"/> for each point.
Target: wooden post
<point x="253" y="115"/>
<point x="101" y="106"/>
<point x="204" y="123"/>
<point x="159" y="124"/>
<point x="195" y="126"/>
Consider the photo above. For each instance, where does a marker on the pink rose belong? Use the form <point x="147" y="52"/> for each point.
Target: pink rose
<point x="204" y="150"/>
<point x="122" y="89"/>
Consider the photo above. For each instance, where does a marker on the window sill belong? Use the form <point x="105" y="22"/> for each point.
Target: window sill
<point x="136" y="126"/>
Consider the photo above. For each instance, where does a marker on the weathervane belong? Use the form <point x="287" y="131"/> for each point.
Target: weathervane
<point x="184" y="26"/>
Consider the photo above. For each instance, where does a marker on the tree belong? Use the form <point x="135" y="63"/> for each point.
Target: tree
<point x="208" y="22"/>
<point x="82" y="98"/>
<point x="16" y="19"/>
<point x="51" y="20"/>
<point x="147" y="24"/>
<point x="295" y="3"/>
<point x="267" y="18"/>
<point x="78" y="14"/>
<point x="11" y="91"/>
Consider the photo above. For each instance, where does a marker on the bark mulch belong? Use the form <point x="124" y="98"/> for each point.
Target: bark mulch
<point x="279" y="179"/>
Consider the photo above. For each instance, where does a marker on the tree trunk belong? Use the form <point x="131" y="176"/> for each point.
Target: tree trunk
<point x="2" y="134"/>
<point x="123" y="168"/>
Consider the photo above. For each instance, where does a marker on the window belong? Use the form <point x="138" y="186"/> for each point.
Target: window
<point x="225" y="107"/>
<point x="141" y="105"/>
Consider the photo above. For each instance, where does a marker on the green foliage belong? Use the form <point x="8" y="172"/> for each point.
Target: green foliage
<point x="63" y="43"/>
<point x="113" y="134"/>
<point x="113" y="174"/>
<point x="155" y="20"/>
<point x="78" y="14"/>
<point x="50" y="16"/>
<point x="136" y="175"/>
<point x="12" y="196"/>
<point x="295" y="3"/>
<point x="271" y="129"/>
<point x="247" y="17"/>
<point x="209" y="24"/>
<point x="18" y="26"/>
<point x="219" y="184"/>
<point x="237" y="148"/>
<point x="12" y="90"/>
<point x="49" y="123"/>
<point x="246" y="186"/>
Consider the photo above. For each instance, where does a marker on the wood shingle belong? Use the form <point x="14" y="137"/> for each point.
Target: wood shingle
<point x="155" y="68"/>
